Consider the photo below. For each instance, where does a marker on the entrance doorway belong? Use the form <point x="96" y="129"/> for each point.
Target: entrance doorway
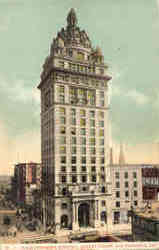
<point x="83" y="215"/>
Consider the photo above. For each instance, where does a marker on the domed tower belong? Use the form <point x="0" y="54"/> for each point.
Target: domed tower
<point x="74" y="130"/>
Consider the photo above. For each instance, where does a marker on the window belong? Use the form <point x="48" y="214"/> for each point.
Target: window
<point x="73" y="131"/>
<point x="101" y="124"/>
<point x="118" y="194"/>
<point x="73" y="150"/>
<point x="61" y="89"/>
<point x="62" y="150"/>
<point x="92" y="113"/>
<point x="135" y="203"/>
<point x="74" y="178"/>
<point x="117" y="203"/>
<point x="73" y="140"/>
<point x="80" y="56"/>
<point x="135" y="183"/>
<point x="63" y="178"/>
<point x="93" y="160"/>
<point x="101" y="141"/>
<point x="101" y="151"/>
<point x="101" y="132"/>
<point x="93" y="178"/>
<point x="62" y="130"/>
<point x="103" y="189"/>
<point x="93" y="169"/>
<point x="92" y="151"/>
<point x="62" y="111"/>
<point x="102" y="94"/>
<point x="126" y="184"/>
<point x="73" y="112"/>
<point x="83" y="131"/>
<point x="116" y="217"/>
<point x="101" y="114"/>
<point x="63" y="168"/>
<point x="102" y="102"/>
<point x="91" y="97"/>
<point x="83" y="169"/>
<point x="103" y="203"/>
<point x="62" y="120"/>
<point x="83" y="160"/>
<point x="62" y="99"/>
<point x="83" y="140"/>
<point x="92" y="141"/>
<point x="126" y="175"/>
<point x="92" y="132"/>
<point x="135" y="192"/>
<point x="126" y="193"/>
<point x="73" y="121"/>
<point x="102" y="169"/>
<point x="84" y="178"/>
<point x="70" y="52"/>
<point x="134" y="175"/>
<point x="64" y="205"/>
<point x="62" y="140"/>
<point x="73" y="168"/>
<point x="82" y="112"/>
<point x="92" y="123"/>
<point x="82" y="122"/>
<point x="63" y="159"/>
<point x="102" y="160"/>
<point x="117" y="184"/>
<point x="117" y="175"/>
<point x="73" y="159"/>
<point x="83" y="150"/>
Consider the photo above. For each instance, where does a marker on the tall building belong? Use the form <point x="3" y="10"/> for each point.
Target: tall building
<point x="74" y="130"/>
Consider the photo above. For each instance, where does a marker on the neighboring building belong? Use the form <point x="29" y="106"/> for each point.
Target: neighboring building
<point x="150" y="182"/>
<point x="126" y="192"/>
<point x="74" y="130"/>
<point x="145" y="226"/>
<point x="27" y="177"/>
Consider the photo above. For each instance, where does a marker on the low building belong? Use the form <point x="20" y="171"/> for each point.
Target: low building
<point x="145" y="223"/>
<point x="126" y="192"/>
<point x="150" y="182"/>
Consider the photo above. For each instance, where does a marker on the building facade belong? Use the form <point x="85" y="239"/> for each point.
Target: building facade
<point x="150" y="182"/>
<point x="27" y="177"/>
<point x="126" y="193"/>
<point x="74" y="131"/>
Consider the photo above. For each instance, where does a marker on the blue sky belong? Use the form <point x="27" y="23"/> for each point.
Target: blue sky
<point x="128" y="33"/>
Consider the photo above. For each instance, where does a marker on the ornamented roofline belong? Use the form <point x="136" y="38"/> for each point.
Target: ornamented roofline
<point x="106" y="78"/>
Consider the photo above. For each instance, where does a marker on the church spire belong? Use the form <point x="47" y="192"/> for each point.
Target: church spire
<point x="71" y="18"/>
<point x="121" y="155"/>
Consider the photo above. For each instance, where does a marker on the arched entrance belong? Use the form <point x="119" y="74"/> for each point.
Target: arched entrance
<point x="64" y="221"/>
<point x="83" y="215"/>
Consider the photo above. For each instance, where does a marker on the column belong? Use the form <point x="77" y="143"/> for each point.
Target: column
<point x="75" y="225"/>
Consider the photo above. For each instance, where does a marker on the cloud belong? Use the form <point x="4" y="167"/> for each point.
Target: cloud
<point x="138" y="97"/>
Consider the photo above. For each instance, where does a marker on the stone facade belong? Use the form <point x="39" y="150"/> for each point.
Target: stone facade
<point x="126" y="193"/>
<point x="74" y="131"/>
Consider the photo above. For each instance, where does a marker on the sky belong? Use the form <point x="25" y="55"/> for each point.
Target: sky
<point x="127" y="32"/>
